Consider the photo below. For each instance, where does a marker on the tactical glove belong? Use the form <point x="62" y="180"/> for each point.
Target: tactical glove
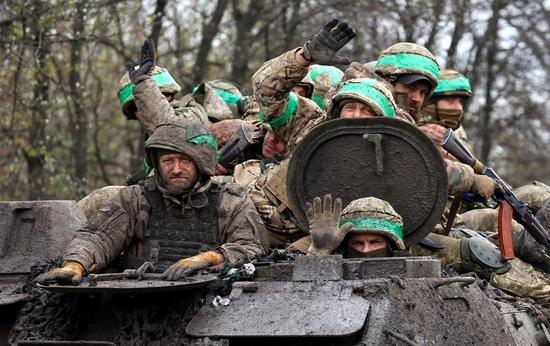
<point x="70" y="273"/>
<point x="484" y="185"/>
<point x="323" y="225"/>
<point x="322" y="48"/>
<point x="186" y="266"/>
<point x="148" y="61"/>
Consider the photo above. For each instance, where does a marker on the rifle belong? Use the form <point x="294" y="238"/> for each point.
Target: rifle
<point x="239" y="141"/>
<point x="510" y="205"/>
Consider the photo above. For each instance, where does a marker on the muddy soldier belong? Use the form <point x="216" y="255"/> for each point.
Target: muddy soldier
<point x="288" y="118"/>
<point x="178" y="219"/>
<point x="367" y="227"/>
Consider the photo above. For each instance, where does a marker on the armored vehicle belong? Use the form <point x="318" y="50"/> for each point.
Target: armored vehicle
<point x="321" y="300"/>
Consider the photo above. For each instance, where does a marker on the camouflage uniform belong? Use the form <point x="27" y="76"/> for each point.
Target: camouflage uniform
<point x="290" y="117"/>
<point x="515" y="277"/>
<point x="122" y="224"/>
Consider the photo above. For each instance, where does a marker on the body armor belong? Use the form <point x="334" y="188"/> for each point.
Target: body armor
<point x="171" y="237"/>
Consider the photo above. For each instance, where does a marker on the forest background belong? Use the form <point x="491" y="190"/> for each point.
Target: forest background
<point x="63" y="134"/>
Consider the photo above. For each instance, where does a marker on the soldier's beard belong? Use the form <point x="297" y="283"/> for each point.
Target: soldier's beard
<point x="180" y="185"/>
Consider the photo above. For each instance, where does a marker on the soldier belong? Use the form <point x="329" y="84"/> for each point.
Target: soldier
<point x="411" y="69"/>
<point x="178" y="213"/>
<point x="218" y="95"/>
<point x="288" y="118"/>
<point x="370" y="227"/>
<point x="445" y="108"/>
<point x="367" y="227"/>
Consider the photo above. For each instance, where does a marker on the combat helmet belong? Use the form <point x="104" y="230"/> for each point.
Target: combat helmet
<point x="160" y="75"/>
<point x="405" y="58"/>
<point x="451" y="83"/>
<point x="323" y="78"/>
<point x="371" y="92"/>
<point x="232" y="94"/>
<point x="187" y="137"/>
<point x="375" y="216"/>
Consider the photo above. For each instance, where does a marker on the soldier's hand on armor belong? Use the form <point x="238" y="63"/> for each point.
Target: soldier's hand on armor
<point x="323" y="225"/>
<point x="186" y="266"/>
<point x="484" y="185"/>
<point x="70" y="273"/>
<point x="148" y="61"/>
<point x="322" y="47"/>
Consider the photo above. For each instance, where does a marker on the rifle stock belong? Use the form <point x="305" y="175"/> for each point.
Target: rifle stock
<point x="521" y="211"/>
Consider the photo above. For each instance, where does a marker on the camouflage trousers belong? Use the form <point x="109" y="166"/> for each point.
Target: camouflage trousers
<point x="522" y="279"/>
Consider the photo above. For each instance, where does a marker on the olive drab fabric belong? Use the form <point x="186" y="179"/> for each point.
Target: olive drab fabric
<point x="376" y="216"/>
<point x="163" y="80"/>
<point x="155" y="109"/>
<point x="91" y="203"/>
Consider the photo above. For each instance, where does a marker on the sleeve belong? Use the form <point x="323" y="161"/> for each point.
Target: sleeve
<point x="151" y="103"/>
<point x="461" y="177"/>
<point x="273" y="82"/>
<point x="110" y="230"/>
<point x="242" y="232"/>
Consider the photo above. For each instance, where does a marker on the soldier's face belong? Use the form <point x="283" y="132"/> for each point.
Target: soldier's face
<point x="367" y="242"/>
<point x="451" y="102"/>
<point x="300" y="90"/>
<point x="271" y="145"/>
<point x="178" y="170"/>
<point x="417" y="93"/>
<point x="356" y="110"/>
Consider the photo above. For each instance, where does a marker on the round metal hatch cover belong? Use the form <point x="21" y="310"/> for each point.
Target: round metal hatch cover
<point x="382" y="157"/>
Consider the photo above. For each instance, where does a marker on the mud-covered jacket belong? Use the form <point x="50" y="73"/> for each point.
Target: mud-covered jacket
<point x="155" y="109"/>
<point x="124" y="221"/>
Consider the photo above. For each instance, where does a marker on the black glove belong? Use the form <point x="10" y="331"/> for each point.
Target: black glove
<point x="322" y="48"/>
<point x="148" y="61"/>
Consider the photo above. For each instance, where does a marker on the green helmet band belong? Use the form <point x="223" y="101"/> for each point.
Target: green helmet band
<point x="366" y="87"/>
<point x="334" y="77"/>
<point x="160" y="78"/>
<point x="379" y="224"/>
<point x="460" y="83"/>
<point x="410" y="61"/>
<point x="290" y="108"/>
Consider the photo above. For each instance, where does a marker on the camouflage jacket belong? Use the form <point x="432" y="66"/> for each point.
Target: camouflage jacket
<point x="290" y="116"/>
<point x="155" y="109"/>
<point x="255" y="175"/>
<point x="123" y="222"/>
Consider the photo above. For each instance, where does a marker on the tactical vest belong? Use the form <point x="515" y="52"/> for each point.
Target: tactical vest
<point x="170" y="237"/>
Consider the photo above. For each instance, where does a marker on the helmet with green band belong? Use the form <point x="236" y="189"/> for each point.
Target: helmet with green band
<point x="323" y="78"/>
<point x="372" y="215"/>
<point x="368" y="91"/>
<point x="407" y="58"/>
<point x="160" y="75"/>
<point x="452" y="83"/>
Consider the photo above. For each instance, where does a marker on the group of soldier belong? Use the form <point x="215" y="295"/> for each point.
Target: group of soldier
<point x="185" y="212"/>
